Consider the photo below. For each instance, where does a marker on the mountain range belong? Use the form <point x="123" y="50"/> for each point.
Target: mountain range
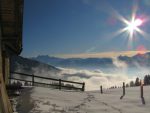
<point x="82" y="63"/>
<point x="138" y="59"/>
<point x="142" y="60"/>
<point x="47" y="66"/>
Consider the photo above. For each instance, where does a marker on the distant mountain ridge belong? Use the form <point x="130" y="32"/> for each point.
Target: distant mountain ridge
<point x="30" y="66"/>
<point x="140" y="59"/>
<point x="76" y="62"/>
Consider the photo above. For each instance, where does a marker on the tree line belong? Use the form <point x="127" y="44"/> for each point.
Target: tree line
<point x="137" y="82"/>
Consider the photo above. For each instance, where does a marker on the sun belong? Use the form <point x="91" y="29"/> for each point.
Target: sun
<point x="132" y="26"/>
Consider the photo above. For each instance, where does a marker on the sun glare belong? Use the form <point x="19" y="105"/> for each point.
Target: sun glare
<point x="138" y="22"/>
<point x="133" y="25"/>
<point x="131" y="30"/>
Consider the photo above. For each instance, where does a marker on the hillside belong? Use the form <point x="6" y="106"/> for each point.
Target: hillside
<point x="43" y="100"/>
<point x="24" y="65"/>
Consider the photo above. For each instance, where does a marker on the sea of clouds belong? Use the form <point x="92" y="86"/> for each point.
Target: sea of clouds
<point x="93" y="78"/>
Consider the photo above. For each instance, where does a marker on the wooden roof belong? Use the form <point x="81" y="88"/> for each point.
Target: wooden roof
<point x="11" y="22"/>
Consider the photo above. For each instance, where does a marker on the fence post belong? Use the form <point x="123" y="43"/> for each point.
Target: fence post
<point x="83" y="86"/>
<point x="101" y="88"/>
<point x="142" y="97"/>
<point x="141" y="90"/>
<point x="124" y="91"/>
<point x="59" y="84"/>
<point x="32" y="80"/>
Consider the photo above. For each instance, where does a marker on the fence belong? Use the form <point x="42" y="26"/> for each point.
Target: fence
<point x="124" y="91"/>
<point x="57" y="83"/>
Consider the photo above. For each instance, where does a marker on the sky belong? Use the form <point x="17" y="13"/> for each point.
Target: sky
<point x="84" y="27"/>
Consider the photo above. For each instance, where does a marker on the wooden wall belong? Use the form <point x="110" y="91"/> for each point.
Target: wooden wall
<point x="5" y="106"/>
<point x="11" y="21"/>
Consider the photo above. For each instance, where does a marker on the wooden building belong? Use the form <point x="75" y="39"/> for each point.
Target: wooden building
<point x="11" y="22"/>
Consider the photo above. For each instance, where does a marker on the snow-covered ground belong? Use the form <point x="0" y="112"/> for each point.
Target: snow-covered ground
<point x="45" y="100"/>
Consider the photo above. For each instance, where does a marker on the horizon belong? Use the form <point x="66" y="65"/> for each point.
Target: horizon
<point x="95" y="55"/>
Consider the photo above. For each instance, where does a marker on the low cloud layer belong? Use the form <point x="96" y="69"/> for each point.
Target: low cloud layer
<point x="93" y="79"/>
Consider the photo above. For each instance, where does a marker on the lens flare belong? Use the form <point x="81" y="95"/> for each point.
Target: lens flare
<point x="131" y="30"/>
<point x="133" y="26"/>
<point x="138" y="22"/>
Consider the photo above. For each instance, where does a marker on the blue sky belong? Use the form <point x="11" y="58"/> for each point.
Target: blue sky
<point x="56" y="27"/>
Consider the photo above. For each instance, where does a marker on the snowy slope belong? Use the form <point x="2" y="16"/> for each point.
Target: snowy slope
<point x="44" y="100"/>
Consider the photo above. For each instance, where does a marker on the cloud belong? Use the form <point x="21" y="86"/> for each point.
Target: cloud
<point x="90" y="50"/>
<point x="93" y="79"/>
<point x="121" y="66"/>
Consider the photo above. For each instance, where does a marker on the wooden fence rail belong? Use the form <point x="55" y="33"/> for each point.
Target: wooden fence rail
<point x="59" y="84"/>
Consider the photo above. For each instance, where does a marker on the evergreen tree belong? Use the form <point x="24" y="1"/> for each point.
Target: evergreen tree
<point x="146" y="81"/>
<point x="132" y="84"/>
<point x="127" y="85"/>
<point x="148" y="77"/>
<point x="137" y="82"/>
